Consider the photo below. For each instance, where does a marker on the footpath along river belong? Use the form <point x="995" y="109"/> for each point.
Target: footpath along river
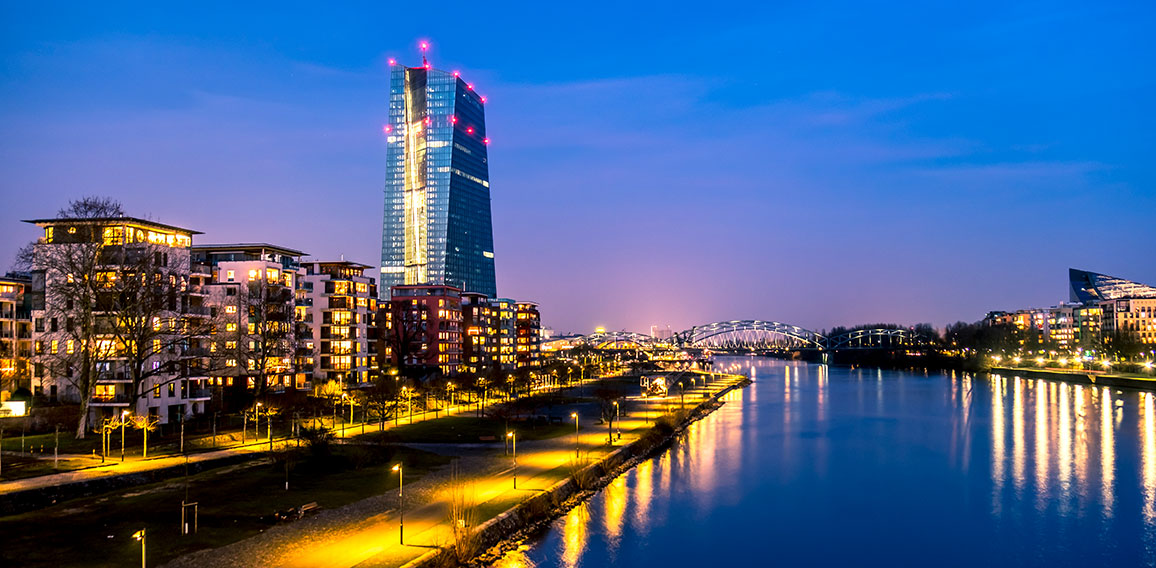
<point x="817" y="465"/>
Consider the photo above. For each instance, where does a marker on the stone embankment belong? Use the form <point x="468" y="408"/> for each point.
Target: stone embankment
<point x="501" y="534"/>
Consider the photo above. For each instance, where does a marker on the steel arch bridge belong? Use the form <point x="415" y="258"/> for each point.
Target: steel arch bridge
<point x="750" y="334"/>
<point x="618" y="340"/>
<point x="758" y="335"/>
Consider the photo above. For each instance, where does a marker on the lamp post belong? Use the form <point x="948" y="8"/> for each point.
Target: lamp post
<point x="140" y="535"/>
<point x="257" y="422"/>
<point x="343" y="397"/>
<point x="400" y="509"/>
<point x="574" y="415"/>
<point x="514" y="442"/>
<point x="123" y="419"/>
<point x="617" y="421"/>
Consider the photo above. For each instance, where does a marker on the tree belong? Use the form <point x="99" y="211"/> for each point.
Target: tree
<point x="68" y="271"/>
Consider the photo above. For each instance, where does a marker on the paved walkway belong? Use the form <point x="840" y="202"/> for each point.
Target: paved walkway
<point x="114" y="467"/>
<point x="367" y="533"/>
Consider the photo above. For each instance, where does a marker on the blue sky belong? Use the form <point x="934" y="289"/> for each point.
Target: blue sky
<point x="671" y="163"/>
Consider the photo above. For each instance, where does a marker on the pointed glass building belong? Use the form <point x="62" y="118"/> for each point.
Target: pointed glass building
<point x="437" y="227"/>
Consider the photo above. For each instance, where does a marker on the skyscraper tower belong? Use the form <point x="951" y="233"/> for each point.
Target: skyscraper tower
<point x="437" y="227"/>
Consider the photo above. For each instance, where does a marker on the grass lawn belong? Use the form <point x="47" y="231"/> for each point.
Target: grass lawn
<point x="462" y="429"/>
<point x="235" y="503"/>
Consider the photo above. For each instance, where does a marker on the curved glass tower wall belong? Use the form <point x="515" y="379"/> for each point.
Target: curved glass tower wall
<point x="437" y="227"/>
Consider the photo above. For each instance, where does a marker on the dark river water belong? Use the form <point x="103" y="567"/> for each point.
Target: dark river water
<point x="815" y="465"/>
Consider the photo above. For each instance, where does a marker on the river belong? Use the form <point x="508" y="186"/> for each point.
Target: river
<point x="817" y="465"/>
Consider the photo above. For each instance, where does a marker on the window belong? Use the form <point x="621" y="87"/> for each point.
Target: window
<point x="230" y="362"/>
<point x="68" y="347"/>
<point x="172" y="389"/>
<point x="230" y="327"/>
<point x="230" y="345"/>
<point x="253" y="275"/>
<point x="230" y="275"/>
<point x="252" y="328"/>
<point x="230" y="309"/>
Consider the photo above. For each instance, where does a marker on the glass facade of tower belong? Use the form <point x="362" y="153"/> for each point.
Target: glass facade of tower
<point x="437" y="227"/>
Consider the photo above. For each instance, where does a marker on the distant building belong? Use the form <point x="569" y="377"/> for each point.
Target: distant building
<point x="340" y="309"/>
<point x="437" y="228"/>
<point x="15" y="333"/>
<point x="529" y="334"/>
<point x="423" y="328"/>
<point x="481" y="347"/>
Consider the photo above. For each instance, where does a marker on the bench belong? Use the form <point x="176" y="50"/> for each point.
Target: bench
<point x="307" y="508"/>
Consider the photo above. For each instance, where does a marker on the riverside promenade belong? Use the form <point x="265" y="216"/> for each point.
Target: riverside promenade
<point x="368" y="532"/>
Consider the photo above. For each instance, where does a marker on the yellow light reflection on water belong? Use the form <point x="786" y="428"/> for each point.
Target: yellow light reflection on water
<point x="1065" y="450"/>
<point x="1107" y="452"/>
<point x="574" y="535"/>
<point x="1019" y="449"/>
<point x="1148" y="457"/>
<point x="643" y="493"/>
<point x="1042" y="442"/>
<point x="998" y="437"/>
<point x="614" y="502"/>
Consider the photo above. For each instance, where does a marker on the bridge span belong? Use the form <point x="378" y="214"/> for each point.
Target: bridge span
<point x="759" y="335"/>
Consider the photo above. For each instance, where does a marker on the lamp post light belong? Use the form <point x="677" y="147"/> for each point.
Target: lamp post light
<point x="400" y="503"/>
<point x="617" y="421"/>
<point x="574" y="415"/>
<point x="140" y="535"/>
<point x="123" y="419"/>
<point x="257" y="422"/>
<point x="343" y="397"/>
<point x="514" y="442"/>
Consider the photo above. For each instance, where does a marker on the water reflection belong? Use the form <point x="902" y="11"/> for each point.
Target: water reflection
<point x="879" y="457"/>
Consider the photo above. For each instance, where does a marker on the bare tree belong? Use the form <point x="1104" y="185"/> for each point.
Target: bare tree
<point x="68" y="269"/>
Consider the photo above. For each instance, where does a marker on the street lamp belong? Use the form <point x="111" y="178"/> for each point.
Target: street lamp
<point x="123" y="419"/>
<point x="257" y="422"/>
<point x="617" y="421"/>
<point x="400" y="510"/>
<point x="514" y="441"/>
<point x="343" y="397"/>
<point x="140" y="535"/>
<point x="574" y="415"/>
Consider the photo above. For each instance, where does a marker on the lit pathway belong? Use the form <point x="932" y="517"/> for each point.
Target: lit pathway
<point x="355" y="536"/>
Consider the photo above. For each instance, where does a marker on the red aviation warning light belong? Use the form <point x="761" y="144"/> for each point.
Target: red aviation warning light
<point x="387" y="128"/>
<point x="483" y="99"/>
<point x="424" y="48"/>
<point x="392" y="61"/>
<point x="486" y="141"/>
<point x="457" y="73"/>
<point x="453" y="119"/>
<point x="469" y="130"/>
<point x="470" y="86"/>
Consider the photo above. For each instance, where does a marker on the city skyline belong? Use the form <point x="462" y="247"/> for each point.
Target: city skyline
<point x="731" y="174"/>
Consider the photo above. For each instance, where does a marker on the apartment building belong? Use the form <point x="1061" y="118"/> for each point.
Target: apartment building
<point x="340" y="308"/>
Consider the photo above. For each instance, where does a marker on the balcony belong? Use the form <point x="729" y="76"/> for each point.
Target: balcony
<point x="200" y="394"/>
<point x="110" y="400"/>
<point x="199" y="268"/>
<point x="198" y="311"/>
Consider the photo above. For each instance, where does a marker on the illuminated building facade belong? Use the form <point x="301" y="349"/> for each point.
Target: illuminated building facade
<point x="340" y="307"/>
<point x="529" y="334"/>
<point x="436" y="221"/>
<point x="254" y="292"/>
<point x="15" y="333"/>
<point x="423" y="327"/>
<point x="75" y="323"/>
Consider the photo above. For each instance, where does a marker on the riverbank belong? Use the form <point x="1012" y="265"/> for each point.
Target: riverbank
<point x="505" y="532"/>
<point x="1082" y="377"/>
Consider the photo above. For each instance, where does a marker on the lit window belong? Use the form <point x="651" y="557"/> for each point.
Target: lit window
<point x="252" y="275"/>
<point x="230" y="327"/>
<point x="230" y="274"/>
<point x="230" y="362"/>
